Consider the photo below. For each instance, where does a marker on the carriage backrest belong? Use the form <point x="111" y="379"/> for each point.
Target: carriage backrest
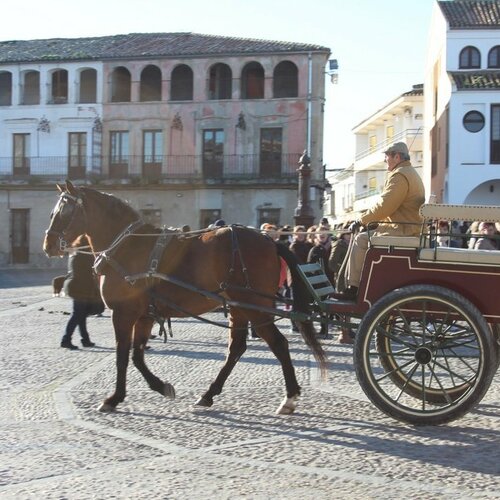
<point x="433" y="213"/>
<point x="468" y="213"/>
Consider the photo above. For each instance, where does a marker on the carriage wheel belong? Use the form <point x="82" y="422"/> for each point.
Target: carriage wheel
<point x="495" y="329"/>
<point x="424" y="355"/>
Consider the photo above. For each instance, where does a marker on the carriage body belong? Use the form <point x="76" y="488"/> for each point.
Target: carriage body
<point x="428" y="344"/>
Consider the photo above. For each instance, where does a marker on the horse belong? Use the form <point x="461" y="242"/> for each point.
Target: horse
<point x="189" y="274"/>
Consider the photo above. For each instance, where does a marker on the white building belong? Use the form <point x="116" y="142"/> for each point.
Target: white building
<point x="462" y="103"/>
<point x="356" y="188"/>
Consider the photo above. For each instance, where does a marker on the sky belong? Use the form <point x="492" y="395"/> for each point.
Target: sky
<point x="380" y="45"/>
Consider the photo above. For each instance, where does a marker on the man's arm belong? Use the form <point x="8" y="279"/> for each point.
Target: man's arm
<point x="392" y="197"/>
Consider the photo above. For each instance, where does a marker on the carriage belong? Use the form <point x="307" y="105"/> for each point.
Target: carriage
<point x="427" y="340"/>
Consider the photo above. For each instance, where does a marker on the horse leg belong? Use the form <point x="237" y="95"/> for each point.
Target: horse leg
<point x="123" y="334"/>
<point x="278" y="344"/>
<point x="236" y="347"/>
<point x="142" y="331"/>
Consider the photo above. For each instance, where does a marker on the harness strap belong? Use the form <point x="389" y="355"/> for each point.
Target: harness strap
<point x="105" y="257"/>
<point x="162" y="242"/>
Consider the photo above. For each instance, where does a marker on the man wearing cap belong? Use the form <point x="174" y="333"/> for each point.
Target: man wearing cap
<point x="397" y="210"/>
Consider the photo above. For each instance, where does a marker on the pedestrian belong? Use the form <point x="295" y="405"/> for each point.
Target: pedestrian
<point x="397" y="212"/>
<point x="486" y="240"/>
<point x="299" y="247"/>
<point x="81" y="286"/>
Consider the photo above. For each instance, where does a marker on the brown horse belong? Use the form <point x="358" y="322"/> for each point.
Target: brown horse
<point x="179" y="276"/>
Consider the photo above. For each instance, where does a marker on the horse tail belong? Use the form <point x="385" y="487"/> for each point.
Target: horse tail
<point x="301" y="303"/>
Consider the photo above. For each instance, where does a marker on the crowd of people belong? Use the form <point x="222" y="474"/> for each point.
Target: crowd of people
<point x="479" y="235"/>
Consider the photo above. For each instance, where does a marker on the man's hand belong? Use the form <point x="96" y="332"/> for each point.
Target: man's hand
<point x="354" y="226"/>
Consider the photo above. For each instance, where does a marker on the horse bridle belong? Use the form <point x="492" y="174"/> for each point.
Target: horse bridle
<point x="76" y="205"/>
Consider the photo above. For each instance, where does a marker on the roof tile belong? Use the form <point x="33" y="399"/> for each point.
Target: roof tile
<point x="472" y="14"/>
<point x="476" y="80"/>
<point x="143" y="45"/>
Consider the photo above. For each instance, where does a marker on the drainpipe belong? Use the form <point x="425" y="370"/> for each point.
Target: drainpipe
<point x="309" y="103"/>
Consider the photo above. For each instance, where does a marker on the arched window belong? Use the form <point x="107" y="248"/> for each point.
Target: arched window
<point x="88" y="86"/>
<point x="494" y="57"/>
<point x="5" y="88"/>
<point x="181" y="85"/>
<point x="31" y="88"/>
<point x="470" y="58"/>
<point x="285" y="80"/>
<point x="220" y="82"/>
<point x="120" y="85"/>
<point x="150" y="84"/>
<point x="252" y="81"/>
<point x="59" y="89"/>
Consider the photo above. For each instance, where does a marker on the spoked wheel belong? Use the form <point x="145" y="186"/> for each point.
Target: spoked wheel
<point x="424" y="355"/>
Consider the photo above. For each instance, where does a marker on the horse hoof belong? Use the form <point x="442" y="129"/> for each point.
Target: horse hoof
<point x="204" y="402"/>
<point x="169" y="391"/>
<point x="288" y="406"/>
<point x="106" y="408"/>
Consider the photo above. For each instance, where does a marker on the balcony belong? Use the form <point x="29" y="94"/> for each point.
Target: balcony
<point x="153" y="170"/>
<point x="405" y="135"/>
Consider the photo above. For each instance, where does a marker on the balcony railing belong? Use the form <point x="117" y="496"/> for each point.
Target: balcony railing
<point x="157" y="168"/>
<point x="381" y="146"/>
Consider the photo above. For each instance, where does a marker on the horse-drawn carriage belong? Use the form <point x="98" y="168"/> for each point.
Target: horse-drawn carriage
<point x="427" y="345"/>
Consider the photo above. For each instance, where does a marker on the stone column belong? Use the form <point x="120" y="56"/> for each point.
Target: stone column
<point x="304" y="214"/>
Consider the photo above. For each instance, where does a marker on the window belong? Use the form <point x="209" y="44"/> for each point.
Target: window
<point x="473" y="121"/>
<point x="220" y="82"/>
<point x="119" y="154"/>
<point x="150" y="84"/>
<point x="88" y="86"/>
<point x="21" y="148"/>
<point x="372" y="185"/>
<point x="120" y="85"/>
<point x="59" y="90"/>
<point x="151" y="216"/>
<point x="269" y="216"/>
<point x="181" y="85"/>
<point x="31" y="88"/>
<point x="152" y="153"/>
<point x="77" y="154"/>
<point x="209" y="216"/>
<point x="495" y="134"/>
<point x="213" y="152"/>
<point x="494" y="57"/>
<point x="271" y="145"/>
<point x="285" y="80"/>
<point x="5" y="88"/>
<point x="252" y="81"/>
<point x="470" y="58"/>
<point x="389" y="133"/>
<point x="372" y="142"/>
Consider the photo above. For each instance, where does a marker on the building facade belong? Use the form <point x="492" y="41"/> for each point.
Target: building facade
<point x="357" y="187"/>
<point x="462" y="103"/>
<point x="188" y="128"/>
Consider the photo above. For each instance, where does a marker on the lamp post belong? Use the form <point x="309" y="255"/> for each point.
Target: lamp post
<point x="304" y="214"/>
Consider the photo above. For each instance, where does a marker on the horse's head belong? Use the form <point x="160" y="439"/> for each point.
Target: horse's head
<point x="68" y="220"/>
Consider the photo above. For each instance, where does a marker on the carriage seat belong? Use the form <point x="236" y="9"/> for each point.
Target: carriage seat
<point x="462" y="255"/>
<point x="395" y="241"/>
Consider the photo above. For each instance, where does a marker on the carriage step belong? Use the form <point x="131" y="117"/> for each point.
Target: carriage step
<point x="317" y="282"/>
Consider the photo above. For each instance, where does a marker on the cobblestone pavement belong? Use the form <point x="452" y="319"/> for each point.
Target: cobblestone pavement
<point x="55" y="444"/>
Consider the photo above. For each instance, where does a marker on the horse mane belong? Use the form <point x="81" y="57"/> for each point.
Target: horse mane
<point x="115" y="207"/>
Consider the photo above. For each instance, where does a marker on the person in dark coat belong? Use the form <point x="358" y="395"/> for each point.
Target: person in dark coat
<point x="81" y="286"/>
<point x="299" y="246"/>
